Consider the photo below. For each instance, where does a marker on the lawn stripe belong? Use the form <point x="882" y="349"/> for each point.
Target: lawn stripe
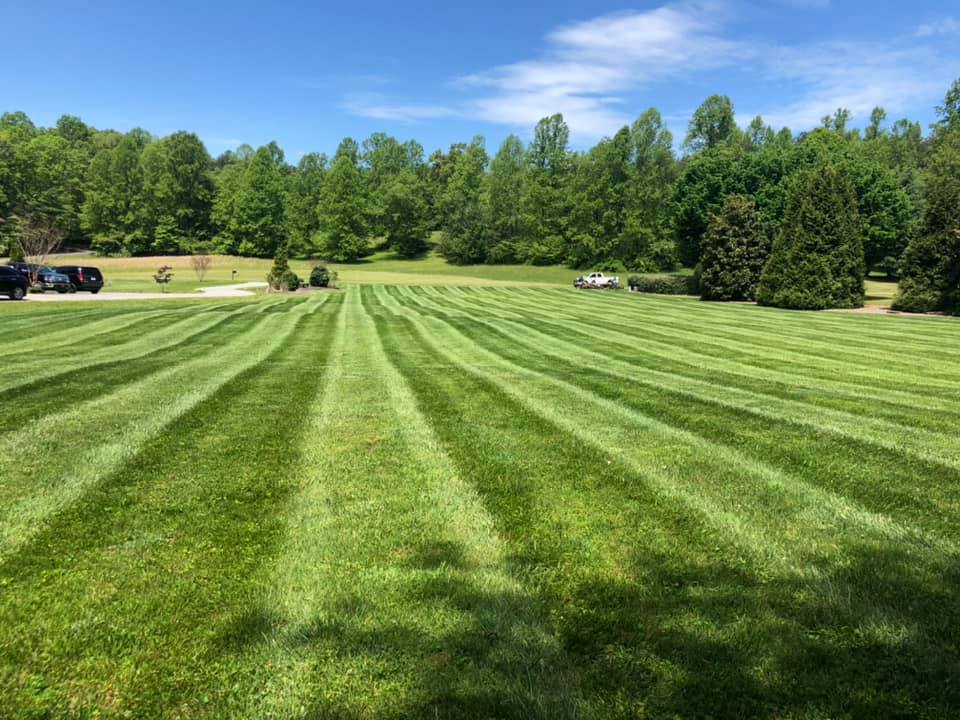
<point x="16" y="375"/>
<point x="382" y="515"/>
<point x="46" y="466"/>
<point x="735" y="625"/>
<point x="724" y="334"/>
<point x="892" y="404"/>
<point x="749" y="357"/>
<point x="148" y="581"/>
<point x="98" y="330"/>
<point x="925" y="492"/>
<point x="52" y="394"/>
<point x="623" y="434"/>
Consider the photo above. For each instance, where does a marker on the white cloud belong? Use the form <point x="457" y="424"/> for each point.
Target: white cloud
<point x="856" y="76"/>
<point x="944" y="26"/>
<point x="587" y="69"/>
<point x="588" y="64"/>
<point x="375" y="105"/>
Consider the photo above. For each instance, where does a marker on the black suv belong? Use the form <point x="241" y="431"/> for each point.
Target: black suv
<point x="13" y="283"/>
<point x="46" y="277"/>
<point x="82" y="278"/>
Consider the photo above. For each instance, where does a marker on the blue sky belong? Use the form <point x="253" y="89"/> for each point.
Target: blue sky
<point x="307" y="74"/>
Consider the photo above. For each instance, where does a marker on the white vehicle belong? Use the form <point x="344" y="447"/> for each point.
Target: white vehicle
<point x="597" y="280"/>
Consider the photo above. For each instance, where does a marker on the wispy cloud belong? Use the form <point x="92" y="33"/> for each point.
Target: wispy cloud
<point x="588" y="70"/>
<point x="588" y="65"/>
<point x="377" y="106"/>
<point x="944" y="26"/>
<point x="856" y="76"/>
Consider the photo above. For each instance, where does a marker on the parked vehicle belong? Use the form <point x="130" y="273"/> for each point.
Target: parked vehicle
<point x="82" y="278"/>
<point x="597" y="280"/>
<point x="42" y="277"/>
<point x="13" y="283"/>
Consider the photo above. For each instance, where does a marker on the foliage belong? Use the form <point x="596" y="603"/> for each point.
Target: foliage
<point x="279" y="273"/>
<point x="930" y="271"/>
<point x="15" y="251"/>
<point x="319" y="276"/>
<point x="405" y="215"/>
<point x="250" y="206"/>
<point x="342" y="208"/>
<point x="464" y="206"/>
<point x="712" y="124"/>
<point x="735" y="250"/>
<point x="817" y="258"/>
<point x="664" y="284"/>
<point x="163" y="276"/>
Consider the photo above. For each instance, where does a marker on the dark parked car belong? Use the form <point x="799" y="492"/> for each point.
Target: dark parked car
<point x="46" y="277"/>
<point x="83" y="278"/>
<point x="13" y="283"/>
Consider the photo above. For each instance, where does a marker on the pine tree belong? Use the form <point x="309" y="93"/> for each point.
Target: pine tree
<point x="16" y="251"/>
<point x="930" y="272"/>
<point x="342" y="207"/>
<point x="735" y="249"/>
<point x="817" y="258"/>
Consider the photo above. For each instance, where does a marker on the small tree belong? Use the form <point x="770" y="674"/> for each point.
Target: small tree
<point x="200" y="261"/>
<point x="163" y="276"/>
<point x="817" y="258"/>
<point x="319" y="277"/>
<point x="39" y="239"/>
<point x="281" y="277"/>
<point x="735" y="249"/>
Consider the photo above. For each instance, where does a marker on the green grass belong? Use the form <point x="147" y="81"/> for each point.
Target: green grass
<point x="403" y="501"/>
<point x="136" y="274"/>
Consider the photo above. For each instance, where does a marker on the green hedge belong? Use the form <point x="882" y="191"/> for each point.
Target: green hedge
<point x="665" y="284"/>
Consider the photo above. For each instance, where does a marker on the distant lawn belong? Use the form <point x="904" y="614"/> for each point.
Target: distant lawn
<point x="136" y="274"/>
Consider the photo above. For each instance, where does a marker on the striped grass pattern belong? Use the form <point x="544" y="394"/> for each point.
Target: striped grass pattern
<point x="483" y="502"/>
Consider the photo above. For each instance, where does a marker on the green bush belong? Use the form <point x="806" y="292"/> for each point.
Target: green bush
<point x="290" y="281"/>
<point x="930" y="270"/>
<point x="319" y="277"/>
<point x="817" y="260"/>
<point x="735" y="249"/>
<point x="16" y="251"/>
<point x="664" y="284"/>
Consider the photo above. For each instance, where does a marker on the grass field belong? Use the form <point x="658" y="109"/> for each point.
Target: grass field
<point x="443" y="502"/>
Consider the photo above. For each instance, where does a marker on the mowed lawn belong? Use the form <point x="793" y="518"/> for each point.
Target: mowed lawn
<point x="477" y="502"/>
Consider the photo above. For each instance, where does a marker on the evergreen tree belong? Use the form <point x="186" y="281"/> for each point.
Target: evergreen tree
<point x="930" y="273"/>
<point x="342" y="207"/>
<point x="817" y="258"/>
<point x="735" y="249"/>
<point x="15" y="251"/>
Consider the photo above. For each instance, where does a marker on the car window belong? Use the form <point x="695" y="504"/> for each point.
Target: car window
<point x="92" y="272"/>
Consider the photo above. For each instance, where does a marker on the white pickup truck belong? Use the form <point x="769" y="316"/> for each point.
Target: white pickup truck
<point x="597" y="280"/>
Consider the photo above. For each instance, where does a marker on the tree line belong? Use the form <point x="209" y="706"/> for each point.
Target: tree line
<point x="736" y="203"/>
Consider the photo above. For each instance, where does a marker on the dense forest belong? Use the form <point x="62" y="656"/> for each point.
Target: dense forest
<point x="750" y="202"/>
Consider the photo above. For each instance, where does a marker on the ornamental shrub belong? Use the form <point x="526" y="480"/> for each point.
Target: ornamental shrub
<point x="817" y="258"/>
<point x="735" y="249"/>
<point x="319" y="277"/>
<point x="664" y="284"/>
<point x="930" y="270"/>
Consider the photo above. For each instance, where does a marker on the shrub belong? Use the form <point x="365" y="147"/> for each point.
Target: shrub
<point x="278" y="276"/>
<point x="817" y="259"/>
<point x="735" y="249"/>
<point x="664" y="284"/>
<point x="290" y="281"/>
<point x="319" y="277"/>
<point x="930" y="271"/>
